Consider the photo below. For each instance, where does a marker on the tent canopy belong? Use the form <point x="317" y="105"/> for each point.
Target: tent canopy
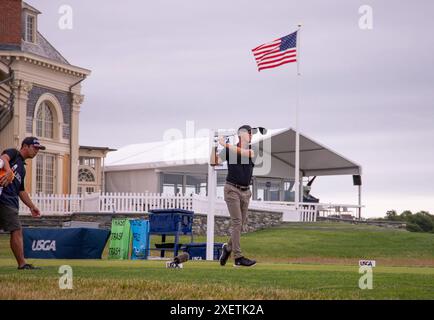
<point x="315" y="158"/>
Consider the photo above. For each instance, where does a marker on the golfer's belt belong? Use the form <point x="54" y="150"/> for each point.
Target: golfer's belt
<point x="242" y="188"/>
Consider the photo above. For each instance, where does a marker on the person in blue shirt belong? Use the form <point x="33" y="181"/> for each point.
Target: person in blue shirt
<point x="12" y="161"/>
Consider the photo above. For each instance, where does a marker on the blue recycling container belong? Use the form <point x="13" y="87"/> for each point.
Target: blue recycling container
<point x="170" y="221"/>
<point x="140" y="243"/>
<point x="197" y="251"/>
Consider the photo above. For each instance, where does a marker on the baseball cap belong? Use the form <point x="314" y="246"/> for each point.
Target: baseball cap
<point x="33" y="141"/>
<point x="247" y="128"/>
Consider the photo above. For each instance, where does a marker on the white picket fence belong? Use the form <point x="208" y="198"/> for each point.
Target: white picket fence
<point x="144" y="202"/>
<point x="54" y="204"/>
<point x="106" y="203"/>
<point x="140" y="203"/>
<point x="305" y="214"/>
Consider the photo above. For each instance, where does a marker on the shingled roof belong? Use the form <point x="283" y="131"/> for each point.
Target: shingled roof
<point x="43" y="48"/>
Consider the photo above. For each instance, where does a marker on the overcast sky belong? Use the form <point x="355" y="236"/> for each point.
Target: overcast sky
<point x="367" y="94"/>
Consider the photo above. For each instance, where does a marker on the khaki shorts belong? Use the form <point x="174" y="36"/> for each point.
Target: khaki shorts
<point x="9" y="219"/>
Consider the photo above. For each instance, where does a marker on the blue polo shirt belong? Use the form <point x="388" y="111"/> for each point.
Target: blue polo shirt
<point x="9" y="196"/>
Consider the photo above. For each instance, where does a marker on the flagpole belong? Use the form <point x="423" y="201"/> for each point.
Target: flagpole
<point x="297" y="135"/>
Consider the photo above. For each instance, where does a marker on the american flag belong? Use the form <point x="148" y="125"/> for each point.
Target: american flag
<point x="277" y="52"/>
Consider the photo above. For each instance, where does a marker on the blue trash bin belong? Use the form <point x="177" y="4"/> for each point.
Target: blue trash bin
<point x="140" y="243"/>
<point x="171" y="221"/>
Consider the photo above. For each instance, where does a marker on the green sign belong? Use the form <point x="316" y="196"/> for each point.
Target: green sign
<point x="120" y="239"/>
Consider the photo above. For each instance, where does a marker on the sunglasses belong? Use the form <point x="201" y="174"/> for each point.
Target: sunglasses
<point x="252" y="131"/>
<point x="261" y="130"/>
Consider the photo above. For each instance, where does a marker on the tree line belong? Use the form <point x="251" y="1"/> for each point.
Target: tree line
<point x="421" y="221"/>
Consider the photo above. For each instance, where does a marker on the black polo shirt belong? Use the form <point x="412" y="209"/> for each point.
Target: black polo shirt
<point x="240" y="168"/>
<point x="9" y="195"/>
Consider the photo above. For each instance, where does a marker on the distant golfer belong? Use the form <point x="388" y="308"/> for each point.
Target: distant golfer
<point x="13" y="162"/>
<point x="240" y="160"/>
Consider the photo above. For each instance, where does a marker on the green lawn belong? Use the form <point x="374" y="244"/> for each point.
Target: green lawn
<point x="296" y="261"/>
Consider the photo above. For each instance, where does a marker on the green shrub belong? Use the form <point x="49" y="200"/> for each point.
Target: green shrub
<point x="413" y="227"/>
<point x="424" y="220"/>
<point x="418" y="222"/>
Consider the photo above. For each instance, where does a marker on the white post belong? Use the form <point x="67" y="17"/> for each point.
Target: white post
<point x="297" y="135"/>
<point x="360" y="202"/>
<point x="212" y="182"/>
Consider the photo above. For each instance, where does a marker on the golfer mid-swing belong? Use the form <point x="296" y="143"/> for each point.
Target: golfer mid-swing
<point x="240" y="160"/>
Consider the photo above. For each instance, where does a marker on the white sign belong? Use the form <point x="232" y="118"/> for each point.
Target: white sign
<point x="366" y="263"/>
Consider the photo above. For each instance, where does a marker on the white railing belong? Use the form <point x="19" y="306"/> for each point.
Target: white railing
<point x="106" y="203"/>
<point x="55" y="204"/>
<point x="141" y="202"/>
<point x="144" y="202"/>
<point x="345" y="211"/>
<point x="306" y="213"/>
<point x="200" y="204"/>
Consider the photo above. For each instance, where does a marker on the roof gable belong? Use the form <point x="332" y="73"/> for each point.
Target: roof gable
<point x="43" y="48"/>
<point x="27" y="6"/>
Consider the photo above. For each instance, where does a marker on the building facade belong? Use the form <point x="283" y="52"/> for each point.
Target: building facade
<point x="40" y="95"/>
<point x="91" y="169"/>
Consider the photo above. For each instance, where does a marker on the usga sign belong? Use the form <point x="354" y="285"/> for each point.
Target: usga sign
<point x="44" y="245"/>
<point x="366" y="263"/>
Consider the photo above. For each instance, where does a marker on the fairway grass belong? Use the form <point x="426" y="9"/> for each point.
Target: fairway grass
<point x="303" y="261"/>
<point x="93" y="279"/>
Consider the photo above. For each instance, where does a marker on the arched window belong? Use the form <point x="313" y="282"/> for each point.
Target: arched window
<point x="85" y="175"/>
<point x="44" y="121"/>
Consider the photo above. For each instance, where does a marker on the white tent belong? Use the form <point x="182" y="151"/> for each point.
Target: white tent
<point x="315" y="158"/>
<point x="194" y="153"/>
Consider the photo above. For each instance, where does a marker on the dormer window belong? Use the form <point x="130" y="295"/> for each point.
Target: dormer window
<point x="29" y="23"/>
<point x="30" y="28"/>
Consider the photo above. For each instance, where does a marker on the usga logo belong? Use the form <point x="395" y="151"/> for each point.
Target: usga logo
<point x="367" y="263"/>
<point x="44" y="245"/>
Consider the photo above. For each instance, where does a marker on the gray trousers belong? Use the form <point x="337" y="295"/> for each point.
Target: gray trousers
<point x="238" y="203"/>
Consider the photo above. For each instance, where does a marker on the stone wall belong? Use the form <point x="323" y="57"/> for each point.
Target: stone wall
<point x="256" y="220"/>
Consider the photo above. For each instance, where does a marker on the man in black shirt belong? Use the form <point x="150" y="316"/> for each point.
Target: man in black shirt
<point x="240" y="160"/>
<point x="13" y="163"/>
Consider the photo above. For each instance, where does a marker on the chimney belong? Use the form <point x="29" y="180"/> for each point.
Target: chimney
<point x="10" y="24"/>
